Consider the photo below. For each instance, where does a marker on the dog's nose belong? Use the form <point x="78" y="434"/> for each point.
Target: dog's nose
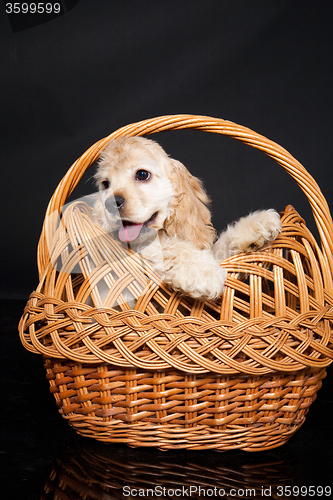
<point x="120" y="201"/>
<point x="115" y="203"/>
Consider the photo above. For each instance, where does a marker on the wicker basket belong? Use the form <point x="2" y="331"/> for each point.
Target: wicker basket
<point x="175" y="372"/>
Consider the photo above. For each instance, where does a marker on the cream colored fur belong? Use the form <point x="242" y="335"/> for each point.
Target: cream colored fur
<point x="177" y="235"/>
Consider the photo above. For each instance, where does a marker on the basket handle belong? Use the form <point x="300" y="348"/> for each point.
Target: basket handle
<point x="304" y="180"/>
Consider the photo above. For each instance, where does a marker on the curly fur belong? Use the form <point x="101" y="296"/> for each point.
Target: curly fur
<point x="169" y="216"/>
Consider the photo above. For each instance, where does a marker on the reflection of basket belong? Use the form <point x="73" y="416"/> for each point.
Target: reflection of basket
<point x="174" y="372"/>
<point x="98" y="472"/>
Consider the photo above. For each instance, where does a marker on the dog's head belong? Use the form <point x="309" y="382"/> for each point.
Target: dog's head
<point x="142" y="190"/>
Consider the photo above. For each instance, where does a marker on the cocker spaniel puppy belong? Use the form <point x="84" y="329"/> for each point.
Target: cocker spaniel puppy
<point x="153" y="203"/>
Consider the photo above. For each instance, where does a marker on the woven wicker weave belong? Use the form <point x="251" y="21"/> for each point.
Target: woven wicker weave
<point x="175" y="372"/>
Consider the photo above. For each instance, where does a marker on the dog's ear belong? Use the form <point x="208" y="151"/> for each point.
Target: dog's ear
<point x="189" y="218"/>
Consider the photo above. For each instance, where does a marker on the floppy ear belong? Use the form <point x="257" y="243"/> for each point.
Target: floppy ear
<point x="189" y="218"/>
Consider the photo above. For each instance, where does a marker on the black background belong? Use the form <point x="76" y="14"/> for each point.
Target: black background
<point x="69" y="82"/>
<point x="103" y="64"/>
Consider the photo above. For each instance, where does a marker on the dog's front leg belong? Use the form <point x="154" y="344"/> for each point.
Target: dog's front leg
<point x="248" y="234"/>
<point x="189" y="270"/>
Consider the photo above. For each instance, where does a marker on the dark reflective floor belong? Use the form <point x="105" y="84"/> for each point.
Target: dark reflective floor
<point x="43" y="458"/>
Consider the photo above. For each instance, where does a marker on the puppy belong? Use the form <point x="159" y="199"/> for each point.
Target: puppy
<point x="152" y="202"/>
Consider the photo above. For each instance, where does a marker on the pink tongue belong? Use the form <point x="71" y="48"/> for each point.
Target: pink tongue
<point x="130" y="232"/>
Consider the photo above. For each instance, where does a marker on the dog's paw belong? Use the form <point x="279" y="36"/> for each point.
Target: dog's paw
<point x="199" y="280"/>
<point x="254" y="231"/>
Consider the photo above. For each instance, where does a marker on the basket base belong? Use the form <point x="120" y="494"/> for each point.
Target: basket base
<point x="258" y="438"/>
<point x="173" y="410"/>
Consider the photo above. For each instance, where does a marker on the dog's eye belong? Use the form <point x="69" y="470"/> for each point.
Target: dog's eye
<point x="105" y="184"/>
<point x="142" y="175"/>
